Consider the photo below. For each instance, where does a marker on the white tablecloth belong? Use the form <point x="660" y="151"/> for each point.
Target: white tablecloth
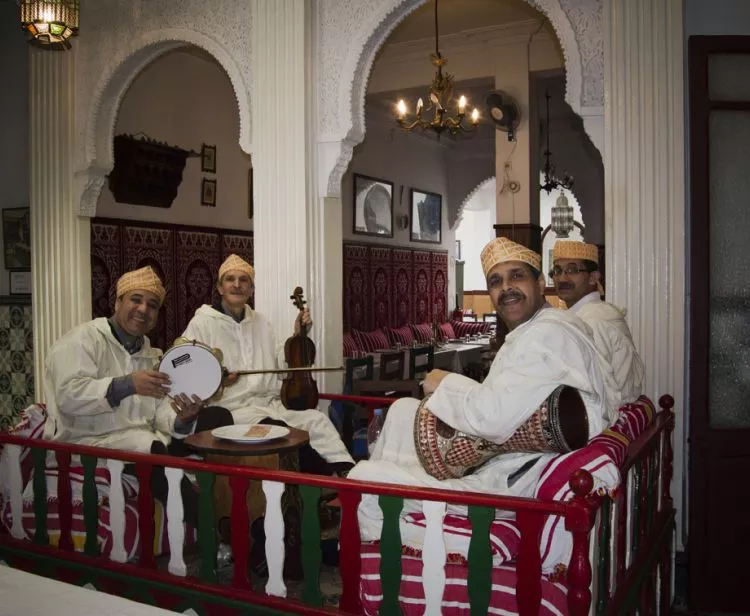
<point x="26" y="594"/>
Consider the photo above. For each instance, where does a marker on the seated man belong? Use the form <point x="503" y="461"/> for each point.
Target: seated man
<point x="577" y="282"/>
<point x="102" y="389"/>
<point x="544" y="350"/>
<point x="247" y="342"/>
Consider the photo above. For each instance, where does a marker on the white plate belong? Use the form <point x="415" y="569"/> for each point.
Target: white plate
<point x="238" y="433"/>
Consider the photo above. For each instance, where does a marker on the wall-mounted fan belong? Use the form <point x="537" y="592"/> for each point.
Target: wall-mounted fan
<point x="504" y="111"/>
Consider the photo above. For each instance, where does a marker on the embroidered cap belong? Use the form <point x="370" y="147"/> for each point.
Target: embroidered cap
<point x="501" y="249"/>
<point x="233" y="262"/>
<point x="570" y="249"/>
<point x="144" y="279"/>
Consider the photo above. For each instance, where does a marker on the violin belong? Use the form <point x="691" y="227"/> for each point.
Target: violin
<point x="299" y="390"/>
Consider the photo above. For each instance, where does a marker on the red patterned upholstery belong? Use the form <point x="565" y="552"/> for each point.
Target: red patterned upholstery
<point x="392" y="287"/>
<point x="402" y="335"/>
<point x="371" y="341"/>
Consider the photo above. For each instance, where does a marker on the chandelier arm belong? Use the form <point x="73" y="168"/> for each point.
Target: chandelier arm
<point x="437" y="38"/>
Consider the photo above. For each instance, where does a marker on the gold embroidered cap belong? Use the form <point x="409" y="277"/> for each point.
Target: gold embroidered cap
<point x="501" y="249"/>
<point x="144" y="279"/>
<point x="233" y="262"/>
<point x="571" y="249"/>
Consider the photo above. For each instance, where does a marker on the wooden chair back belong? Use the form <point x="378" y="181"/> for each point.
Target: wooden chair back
<point x="392" y="366"/>
<point x="418" y="368"/>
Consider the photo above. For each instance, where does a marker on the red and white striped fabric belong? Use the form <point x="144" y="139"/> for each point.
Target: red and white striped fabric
<point x="422" y="332"/>
<point x="505" y="538"/>
<point x="401" y="335"/>
<point x="602" y="457"/>
<point x="455" y="596"/>
<point x="350" y="346"/>
<point x="447" y="331"/>
<point x="469" y="328"/>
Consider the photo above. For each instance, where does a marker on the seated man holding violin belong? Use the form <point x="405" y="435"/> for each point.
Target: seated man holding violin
<point x="247" y="343"/>
<point x="102" y="389"/>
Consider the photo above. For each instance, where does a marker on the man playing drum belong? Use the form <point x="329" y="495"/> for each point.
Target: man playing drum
<point x="546" y="351"/>
<point x="247" y="342"/>
<point x="102" y="390"/>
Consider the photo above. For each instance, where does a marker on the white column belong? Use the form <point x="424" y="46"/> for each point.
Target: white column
<point x="60" y="239"/>
<point x="644" y="190"/>
<point x="283" y="225"/>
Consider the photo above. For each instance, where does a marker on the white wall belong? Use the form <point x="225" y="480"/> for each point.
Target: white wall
<point x="475" y="229"/>
<point x="14" y="117"/>
<point x="186" y="99"/>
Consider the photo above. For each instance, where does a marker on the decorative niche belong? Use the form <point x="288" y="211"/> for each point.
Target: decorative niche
<point x="146" y="172"/>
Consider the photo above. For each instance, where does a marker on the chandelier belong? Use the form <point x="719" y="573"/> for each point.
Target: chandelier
<point x="439" y="97"/>
<point x="50" y="23"/>
<point x="562" y="212"/>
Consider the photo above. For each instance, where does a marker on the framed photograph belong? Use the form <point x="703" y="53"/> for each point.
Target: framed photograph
<point x="17" y="238"/>
<point x="373" y="206"/>
<point x="208" y="158"/>
<point x="208" y="192"/>
<point x="426" y="217"/>
<point x="20" y="283"/>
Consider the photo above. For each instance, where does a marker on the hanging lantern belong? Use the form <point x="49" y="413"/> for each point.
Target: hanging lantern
<point x="50" y="23"/>
<point x="562" y="217"/>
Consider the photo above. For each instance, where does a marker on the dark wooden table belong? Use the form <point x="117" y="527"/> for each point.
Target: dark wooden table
<point x="277" y="454"/>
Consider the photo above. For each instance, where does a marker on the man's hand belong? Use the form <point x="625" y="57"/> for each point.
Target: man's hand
<point x="303" y="320"/>
<point x="186" y="408"/>
<point x="432" y="380"/>
<point x="230" y="378"/>
<point x="151" y="383"/>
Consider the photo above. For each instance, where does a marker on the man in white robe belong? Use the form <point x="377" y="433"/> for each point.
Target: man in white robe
<point x="102" y="387"/>
<point x="545" y="348"/>
<point x="247" y="342"/>
<point x="578" y="283"/>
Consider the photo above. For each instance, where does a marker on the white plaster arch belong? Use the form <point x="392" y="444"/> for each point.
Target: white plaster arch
<point x="468" y="197"/>
<point x="96" y="158"/>
<point x="366" y="32"/>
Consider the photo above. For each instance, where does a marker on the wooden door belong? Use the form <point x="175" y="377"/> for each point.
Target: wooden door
<point x="719" y="477"/>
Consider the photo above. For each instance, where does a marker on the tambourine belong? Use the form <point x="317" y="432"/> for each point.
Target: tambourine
<point x="559" y="425"/>
<point x="194" y="368"/>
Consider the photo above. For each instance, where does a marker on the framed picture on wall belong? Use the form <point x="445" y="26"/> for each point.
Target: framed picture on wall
<point x="17" y="238"/>
<point x="208" y="192"/>
<point x="373" y="206"/>
<point x="208" y="158"/>
<point x="20" y="283"/>
<point x="426" y="217"/>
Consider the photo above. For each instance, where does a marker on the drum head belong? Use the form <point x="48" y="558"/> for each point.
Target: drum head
<point x="194" y="369"/>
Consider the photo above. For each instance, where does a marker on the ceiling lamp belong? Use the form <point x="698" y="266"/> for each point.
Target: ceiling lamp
<point x="439" y="97"/>
<point x="50" y="23"/>
<point x="562" y="212"/>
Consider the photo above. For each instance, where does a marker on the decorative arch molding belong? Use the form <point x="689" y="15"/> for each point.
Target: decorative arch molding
<point x="351" y="37"/>
<point x="95" y="147"/>
<point x="469" y="196"/>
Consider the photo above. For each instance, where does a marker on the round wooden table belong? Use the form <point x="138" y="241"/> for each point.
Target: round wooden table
<point x="276" y="454"/>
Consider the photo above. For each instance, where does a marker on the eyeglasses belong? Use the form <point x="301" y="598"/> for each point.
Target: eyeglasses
<point x="570" y="270"/>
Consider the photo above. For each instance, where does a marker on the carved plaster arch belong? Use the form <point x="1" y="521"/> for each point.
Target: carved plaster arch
<point x="469" y="196"/>
<point x="374" y="31"/>
<point x="97" y="158"/>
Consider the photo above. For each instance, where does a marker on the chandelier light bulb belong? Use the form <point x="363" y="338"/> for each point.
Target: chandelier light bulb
<point x="475" y="115"/>
<point x="461" y="104"/>
<point x="420" y="106"/>
<point x="401" y="108"/>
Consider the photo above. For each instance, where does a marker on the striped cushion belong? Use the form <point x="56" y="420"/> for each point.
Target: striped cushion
<point x="371" y="341"/>
<point x="402" y="335"/>
<point x="350" y="346"/>
<point x="455" y="596"/>
<point x="602" y="457"/>
<point x="447" y="332"/>
<point x="422" y="332"/>
<point x="469" y="328"/>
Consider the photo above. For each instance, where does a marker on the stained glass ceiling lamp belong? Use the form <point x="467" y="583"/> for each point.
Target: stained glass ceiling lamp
<point x="50" y="23"/>
<point x="439" y="97"/>
<point x="562" y="212"/>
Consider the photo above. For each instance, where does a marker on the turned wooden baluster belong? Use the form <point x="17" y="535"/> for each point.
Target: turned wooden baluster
<point x="579" y="522"/>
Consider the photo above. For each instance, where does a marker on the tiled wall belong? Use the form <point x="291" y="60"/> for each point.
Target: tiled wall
<point x="16" y="358"/>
